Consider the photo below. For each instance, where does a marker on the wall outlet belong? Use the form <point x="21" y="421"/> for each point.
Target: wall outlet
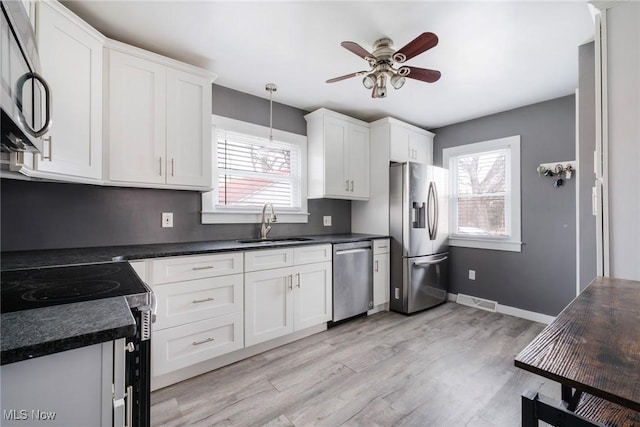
<point x="472" y="275"/>
<point x="326" y="220"/>
<point x="167" y="219"/>
<point x="396" y="293"/>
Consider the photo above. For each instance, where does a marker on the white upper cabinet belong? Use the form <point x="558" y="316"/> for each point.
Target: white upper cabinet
<point x="188" y="129"/>
<point x="137" y="119"/>
<point x="71" y="59"/>
<point x="158" y="123"/>
<point x="406" y="143"/>
<point x="338" y="150"/>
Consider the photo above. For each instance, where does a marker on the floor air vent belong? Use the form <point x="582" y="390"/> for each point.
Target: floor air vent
<point x="481" y="303"/>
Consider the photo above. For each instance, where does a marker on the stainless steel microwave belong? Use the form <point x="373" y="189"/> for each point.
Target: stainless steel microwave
<point x="25" y="96"/>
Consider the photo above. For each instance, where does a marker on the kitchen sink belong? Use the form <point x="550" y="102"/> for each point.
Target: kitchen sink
<point x="276" y="240"/>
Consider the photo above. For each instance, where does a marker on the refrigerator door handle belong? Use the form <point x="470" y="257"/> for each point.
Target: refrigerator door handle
<point x="435" y="261"/>
<point x="436" y="210"/>
<point x="430" y="208"/>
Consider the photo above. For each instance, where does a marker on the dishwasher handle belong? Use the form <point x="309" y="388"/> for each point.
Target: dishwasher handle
<point x="435" y="261"/>
<point x="351" y="251"/>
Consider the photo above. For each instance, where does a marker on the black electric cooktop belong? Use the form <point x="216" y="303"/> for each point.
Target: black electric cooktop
<point x="44" y="287"/>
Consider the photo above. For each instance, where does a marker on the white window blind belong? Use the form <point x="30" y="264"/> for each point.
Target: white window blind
<point x="253" y="171"/>
<point x="482" y="197"/>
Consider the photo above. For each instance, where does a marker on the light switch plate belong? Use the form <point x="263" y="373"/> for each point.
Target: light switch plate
<point x="472" y="275"/>
<point x="326" y="220"/>
<point x="167" y="219"/>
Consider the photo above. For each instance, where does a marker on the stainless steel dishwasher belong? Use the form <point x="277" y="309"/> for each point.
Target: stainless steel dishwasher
<point x="352" y="279"/>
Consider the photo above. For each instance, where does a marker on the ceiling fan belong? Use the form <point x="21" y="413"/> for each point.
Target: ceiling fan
<point x="382" y="62"/>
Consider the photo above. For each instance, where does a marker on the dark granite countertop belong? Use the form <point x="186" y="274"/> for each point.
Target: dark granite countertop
<point x="30" y="259"/>
<point x="28" y="334"/>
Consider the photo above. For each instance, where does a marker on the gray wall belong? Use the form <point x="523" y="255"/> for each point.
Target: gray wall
<point x="586" y="147"/>
<point x="39" y="215"/>
<point x="542" y="277"/>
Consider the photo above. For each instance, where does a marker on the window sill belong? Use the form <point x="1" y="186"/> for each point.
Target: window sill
<point x="496" y="245"/>
<point x="209" y="217"/>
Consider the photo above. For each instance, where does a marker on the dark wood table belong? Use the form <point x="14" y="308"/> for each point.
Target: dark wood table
<point x="592" y="349"/>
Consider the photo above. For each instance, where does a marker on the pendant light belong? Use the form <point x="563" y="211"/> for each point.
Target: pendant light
<point x="271" y="87"/>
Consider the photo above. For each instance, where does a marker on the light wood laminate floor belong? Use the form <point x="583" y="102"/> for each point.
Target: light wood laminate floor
<point x="449" y="366"/>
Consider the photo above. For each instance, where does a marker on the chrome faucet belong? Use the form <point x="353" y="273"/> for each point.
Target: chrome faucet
<point x="266" y="222"/>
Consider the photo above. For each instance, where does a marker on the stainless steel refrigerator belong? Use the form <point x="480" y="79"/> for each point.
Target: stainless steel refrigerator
<point x="419" y="229"/>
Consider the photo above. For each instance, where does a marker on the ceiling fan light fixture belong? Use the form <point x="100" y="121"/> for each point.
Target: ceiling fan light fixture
<point x="380" y="90"/>
<point x="369" y="81"/>
<point x="397" y="81"/>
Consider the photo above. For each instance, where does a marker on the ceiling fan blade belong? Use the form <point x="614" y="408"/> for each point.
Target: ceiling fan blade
<point x="423" y="42"/>
<point x="357" y="49"/>
<point x="423" y="74"/>
<point x="347" y="76"/>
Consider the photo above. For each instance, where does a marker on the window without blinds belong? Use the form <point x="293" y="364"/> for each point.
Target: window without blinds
<point x="254" y="171"/>
<point x="482" y="197"/>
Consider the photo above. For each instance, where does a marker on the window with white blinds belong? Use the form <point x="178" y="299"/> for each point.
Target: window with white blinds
<point x="252" y="171"/>
<point x="485" y="194"/>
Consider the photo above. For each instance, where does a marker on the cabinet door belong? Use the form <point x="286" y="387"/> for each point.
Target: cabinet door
<point x="268" y="305"/>
<point x="137" y="119"/>
<point x="419" y="147"/>
<point x="399" y="144"/>
<point x="336" y="180"/>
<point x="381" y="279"/>
<point x="188" y="129"/>
<point x="312" y="295"/>
<point x="357" y="155"/>
<point x="71" y="58"/>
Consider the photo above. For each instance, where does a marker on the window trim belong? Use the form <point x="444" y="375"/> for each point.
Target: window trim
<point x="211" y="214"/>
<point x="512" y="242"/>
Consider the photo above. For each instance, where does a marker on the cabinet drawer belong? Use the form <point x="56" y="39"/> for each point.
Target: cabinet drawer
<point x="186" y="302"/>
<point x="267" y="259"/>
<point x="381" y="246"/>
<point x="182" y="346"/>
<point x="177" y="269"/>
<point x="311" y="254"/>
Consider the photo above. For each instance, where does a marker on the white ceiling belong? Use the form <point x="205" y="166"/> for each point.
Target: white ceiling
<point x="494" y="56"/>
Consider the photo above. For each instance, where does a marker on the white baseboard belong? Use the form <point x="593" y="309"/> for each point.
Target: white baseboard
<point x="516" y="312"/>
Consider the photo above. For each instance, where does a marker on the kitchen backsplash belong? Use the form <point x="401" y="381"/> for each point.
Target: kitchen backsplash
<point x="42" y="215"/>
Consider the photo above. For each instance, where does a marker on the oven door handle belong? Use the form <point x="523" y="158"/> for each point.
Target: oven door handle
<point x="154" y="306"/>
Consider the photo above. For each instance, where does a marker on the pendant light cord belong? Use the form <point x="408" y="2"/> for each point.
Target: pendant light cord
<point x="271" y="87"/>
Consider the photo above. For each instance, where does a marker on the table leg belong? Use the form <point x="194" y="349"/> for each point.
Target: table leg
<point x="529" y="418"/>
<point x="570" y="398"/>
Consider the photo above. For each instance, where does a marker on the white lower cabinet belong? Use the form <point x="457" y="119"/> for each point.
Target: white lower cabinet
<point x="280" y="301"/>
<point x="268" y="304"/>
<point x="71" y="388"/>
<point x="212" y="305"/>
<point x="200" y="309"/>
<point x="381" y="271"/>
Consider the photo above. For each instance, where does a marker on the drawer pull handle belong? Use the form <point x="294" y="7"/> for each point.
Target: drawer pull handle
<point x="383" y="247"/>
<point x="203" y="341"/>
<point x="198" y="301"/>
<point x="207" y="267"/>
